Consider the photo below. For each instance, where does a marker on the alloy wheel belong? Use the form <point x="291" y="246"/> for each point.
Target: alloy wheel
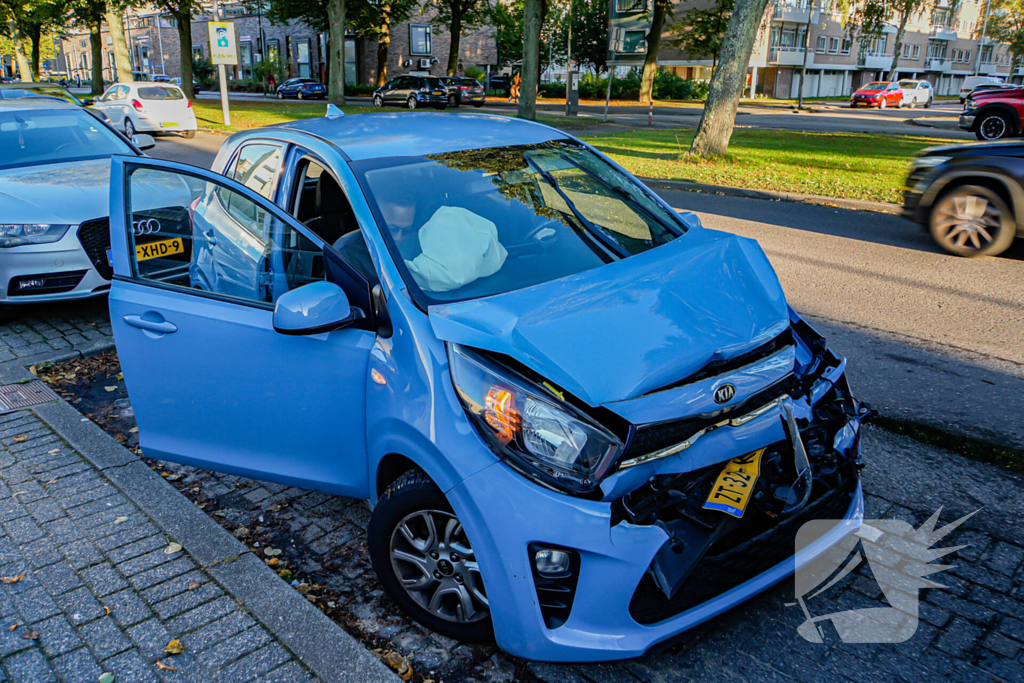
<point x="972" y="221"/>
<point x="129" y="128"/>
<point x="378" y="101"/>
<point x="993" y="128"/>
<point x="299" y="96"/>
<point x="434" y="562"/>
<point x="412" y="103"/>
<point x="881" y="104"/>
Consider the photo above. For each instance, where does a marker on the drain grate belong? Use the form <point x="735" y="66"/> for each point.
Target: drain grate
<point x="17" y="396"/>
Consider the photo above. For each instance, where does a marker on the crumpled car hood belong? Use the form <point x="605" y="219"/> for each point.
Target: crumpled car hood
<point x="627" y="328"/>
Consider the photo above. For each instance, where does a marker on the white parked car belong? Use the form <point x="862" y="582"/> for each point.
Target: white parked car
<point x="917" y="92"/>
<point x="55" y="202"/>
<point x="972" y="82"/>
<point x="148" y="108"/>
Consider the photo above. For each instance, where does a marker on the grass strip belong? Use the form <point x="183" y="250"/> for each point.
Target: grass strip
<point x="1003" y="457"/>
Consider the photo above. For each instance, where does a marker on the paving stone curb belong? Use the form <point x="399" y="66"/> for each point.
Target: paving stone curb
<point x="321" y="645"/>
<point x="772" y="195"/>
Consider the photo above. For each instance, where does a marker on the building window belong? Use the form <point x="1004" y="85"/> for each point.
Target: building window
<point x="625" y="6"/>
<point x="847" y="43"/>
<point x="821" y="44"/>
<point x="916" y="54"/>
<point x="419" y="39"/>
<point x="634" y="42"/>
<point x="967" y="56"/>
<point x="197" y="52"/>
<point x="833" y="45"/>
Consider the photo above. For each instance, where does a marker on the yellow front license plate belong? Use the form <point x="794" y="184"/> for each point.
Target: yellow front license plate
<point x="159" y="249"/>
<point x="437" y="92"/>
<point x="732" y="490"/>
<point x="169" y="124"/>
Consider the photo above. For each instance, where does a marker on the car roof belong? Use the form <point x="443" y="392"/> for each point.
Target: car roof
<point x="371" y="136"/>
<point x="36" y="104"/>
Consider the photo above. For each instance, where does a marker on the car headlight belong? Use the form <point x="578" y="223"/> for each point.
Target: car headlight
<point x="19" y="234"/>
<point x="531" y="427"/>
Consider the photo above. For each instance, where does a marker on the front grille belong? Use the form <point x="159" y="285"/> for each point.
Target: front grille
<point x="50" y="283"/>
<point x="556" y="594"/>
<point x="716" y="574"/>
<point x="95" y="238"/>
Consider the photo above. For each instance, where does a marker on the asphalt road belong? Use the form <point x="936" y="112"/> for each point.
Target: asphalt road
<point x="929" y="337"/>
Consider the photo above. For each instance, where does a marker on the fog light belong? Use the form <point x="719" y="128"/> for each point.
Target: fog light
<point x="551" y="562"/>
<point x="31" y="284"/>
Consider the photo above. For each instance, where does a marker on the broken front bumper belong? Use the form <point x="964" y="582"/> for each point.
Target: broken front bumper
<point x="617" y="603"/>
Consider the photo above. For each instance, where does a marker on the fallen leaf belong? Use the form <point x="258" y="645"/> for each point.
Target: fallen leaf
<point x="52" y="451"/>
<point x="165" y="474"/>
<point x="174" y="477"/>
<point x="120" y="520"/>
<point x="400" y="664"/>
<point x="194" y="585"/>
<point x="271" y="552"/>
<point x="30" y="635"/>
<point x="272" y="562"/>
<point x="120" y="377"/>
<point x="110" y="388"/>
<point x="133" y="430"/>
<point x="20" y="437"/>
<point x="16" y="625"/>
<point x="32" y="369"/>
<point x="174" y="648"/>
<point x="107" y="678"/>
<point x="163" y="667"/>
<point x="13" y="579"/>
<point x="108" y="610"/>
<point x="52" y="481"/>
<point x="173" y="548"/>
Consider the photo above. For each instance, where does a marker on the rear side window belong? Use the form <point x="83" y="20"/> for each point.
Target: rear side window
<point x="160" y="93"/>
<point x="257" y="168"/>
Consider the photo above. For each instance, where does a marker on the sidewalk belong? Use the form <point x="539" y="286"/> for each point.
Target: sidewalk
<point x="104" y="565"/>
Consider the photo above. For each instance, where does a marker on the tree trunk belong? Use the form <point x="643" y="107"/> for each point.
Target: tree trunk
<point x="899" y="43"/>
<point x="533" y="16"/>
<point x="336" y="57"/>
<point x="35" y="37"/>
<point x="183" y="18"/>
<point x="96" y="46"/>
<point x="122" y="58"/>
<point x="455" y="30"/>
<point x="22" y="50"/>
<point x="651" y="58"/>
<point x="383" y="43"/>
<point x="719" y="118"/>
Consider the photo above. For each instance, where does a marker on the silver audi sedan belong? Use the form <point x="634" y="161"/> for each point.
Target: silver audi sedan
<point x="54" y="201"/>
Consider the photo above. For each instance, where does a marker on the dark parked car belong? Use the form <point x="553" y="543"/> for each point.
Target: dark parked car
<point x="462" y="90"/>
<point x="196" y="88"/>
<point x="301" y="88"/>
<point x="412" y="92"/>
<point x="16" y="89"/>
<point x="499" y="82"/>
<point x="993" y="114"/>
<point x="970" y="197"/>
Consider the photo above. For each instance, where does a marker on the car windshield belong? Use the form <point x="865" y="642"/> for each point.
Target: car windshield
<point x="433" y="82"/>
<point x="473" y="223"/>
<point x="875" y="86"/>
<point x="43" y="137"/>
<point x="160" y="93"/>
<point x="48" y="90"/>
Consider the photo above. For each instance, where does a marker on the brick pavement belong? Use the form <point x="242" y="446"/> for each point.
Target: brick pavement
<point x="100" y="590"/>
<point x="57" y="330"/>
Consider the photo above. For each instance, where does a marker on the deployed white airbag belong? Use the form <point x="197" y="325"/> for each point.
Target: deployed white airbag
<point x="458" y="247"/>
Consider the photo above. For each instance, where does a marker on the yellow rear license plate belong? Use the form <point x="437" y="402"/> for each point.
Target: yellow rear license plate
<point x="732" y="490"/>
<point x="169" y="124"/>
<point x="437" y="92"/>
<point x="159" y="249"/>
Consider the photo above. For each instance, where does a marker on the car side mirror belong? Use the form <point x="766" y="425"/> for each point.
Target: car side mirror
<point x="89" y="102"/>
<point x="314" y="308"/>
<point x="143" y="141"/>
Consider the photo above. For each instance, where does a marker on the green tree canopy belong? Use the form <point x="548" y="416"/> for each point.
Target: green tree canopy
<point x="700" y="29"/>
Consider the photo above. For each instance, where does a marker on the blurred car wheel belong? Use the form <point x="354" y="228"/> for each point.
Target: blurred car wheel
<point x="971" y="220"/>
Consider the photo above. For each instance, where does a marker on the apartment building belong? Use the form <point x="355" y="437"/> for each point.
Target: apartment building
<point x="416" y="47"/>
<point x="939" y="45"/>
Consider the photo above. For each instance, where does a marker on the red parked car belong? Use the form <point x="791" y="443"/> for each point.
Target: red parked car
<point x="993" y="114"/>
<point x="879" y="94"/>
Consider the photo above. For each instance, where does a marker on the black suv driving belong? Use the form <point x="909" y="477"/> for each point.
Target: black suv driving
<point x="412" y="92"/>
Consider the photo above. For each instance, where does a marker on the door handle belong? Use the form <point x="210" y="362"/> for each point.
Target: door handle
<point x="211" y="237"/>
<point x="162" y="327"/>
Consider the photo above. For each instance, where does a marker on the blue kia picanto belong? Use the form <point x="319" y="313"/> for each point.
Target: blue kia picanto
<point x="584" y="423"/>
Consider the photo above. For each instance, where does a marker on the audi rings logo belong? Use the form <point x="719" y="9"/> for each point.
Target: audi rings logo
<point x="146" y="226"/>
<point x="724" y="393"/>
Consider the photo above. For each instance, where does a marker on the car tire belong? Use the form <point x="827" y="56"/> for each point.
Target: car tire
<point x="882" y="103"/>
<point x="994" y="126"/>
<point x="899" y="105"/>
<point x="378" y="101"/>
<point x="129" y="128"/>
<point x="928" y="104"/>
<point x="853" y="105"/>
<point x="299" y="96"/>
<point x="188" y="134"/>
<point x="971" y="220"/>
<point x="412" y="102"/>
<point x="415" y="558"/>
<point x="453" y="101"/>
<point x="280" y="95"/>
<point x="913" y="103"/>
